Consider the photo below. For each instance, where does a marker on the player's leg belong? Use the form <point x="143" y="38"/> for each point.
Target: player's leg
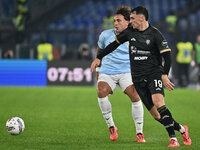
<point x="141" y="88"/>
<point x="155" y="114"/>
<point x="164" y="112"/>
<point x="178" y="127"/>
<point x="126" y="84"/>
<point x="105" y="86"/>
<point x="182" y="129"/>
<point x="104" y="103"/>
<point x="155" y="86"/>
<point x="137" y="112"/>
<point x="166" y="118"/>
<point x="145" y="95"/>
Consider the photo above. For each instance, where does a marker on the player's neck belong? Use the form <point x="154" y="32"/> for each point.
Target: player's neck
<point x="144" y="26"/>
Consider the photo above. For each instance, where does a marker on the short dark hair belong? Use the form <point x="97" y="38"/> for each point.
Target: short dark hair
<point x="141" y="10"/>
<point x="124" y="11"/>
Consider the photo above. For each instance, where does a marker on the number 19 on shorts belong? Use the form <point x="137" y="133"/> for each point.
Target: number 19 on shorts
<point x="158" y="83"/>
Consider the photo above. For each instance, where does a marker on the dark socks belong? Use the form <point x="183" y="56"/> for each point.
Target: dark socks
<point x="177" y="126"/>
<point x="167" y="120"/>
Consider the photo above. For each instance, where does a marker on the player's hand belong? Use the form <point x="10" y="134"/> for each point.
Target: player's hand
<point x="94" y="64"/>
<point x="167" y="83"/>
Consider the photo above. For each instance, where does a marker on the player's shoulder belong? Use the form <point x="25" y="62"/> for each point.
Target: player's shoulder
<point x="154" y="30"/>
<point x="108" y="32"/>
<point x="129" y="28"/>
<point x="126" y="31"/>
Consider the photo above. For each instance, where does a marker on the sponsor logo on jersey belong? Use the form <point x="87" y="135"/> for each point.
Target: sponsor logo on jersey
<point x="143" y="52"/>
<point x="141" y="58"/>
<point x="147" y="41"/>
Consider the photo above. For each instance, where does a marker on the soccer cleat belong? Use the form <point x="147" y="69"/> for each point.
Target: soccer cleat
<point x="113" y="133"/>
<point x="186" y="138"/>
<point x="173" y="143"/>
<point x="140" y="138"/>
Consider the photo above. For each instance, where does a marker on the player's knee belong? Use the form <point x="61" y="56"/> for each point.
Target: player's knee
<point x="102" y="92"/>
<point x="135" y="98"/>
<point x="132" y="94"/>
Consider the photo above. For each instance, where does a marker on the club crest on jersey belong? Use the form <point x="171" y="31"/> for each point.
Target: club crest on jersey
<point x="147" y="41"/>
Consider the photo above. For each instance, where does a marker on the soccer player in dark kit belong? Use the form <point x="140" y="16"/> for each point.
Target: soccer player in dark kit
<point x="147" y="47"/>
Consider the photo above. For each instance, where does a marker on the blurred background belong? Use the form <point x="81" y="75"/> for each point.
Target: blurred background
<point x="63" y="34"/>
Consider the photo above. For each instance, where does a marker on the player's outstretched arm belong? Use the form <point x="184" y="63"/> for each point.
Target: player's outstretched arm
<point x="111" y="47"/>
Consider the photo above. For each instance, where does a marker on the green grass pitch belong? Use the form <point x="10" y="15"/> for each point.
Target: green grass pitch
<point x="69" y="118"/>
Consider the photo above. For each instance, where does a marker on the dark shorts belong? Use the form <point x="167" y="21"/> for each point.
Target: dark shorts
<point x="152" y="84"/>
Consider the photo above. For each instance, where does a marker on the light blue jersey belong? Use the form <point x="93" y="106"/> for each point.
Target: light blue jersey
<point x="116" y="62"/>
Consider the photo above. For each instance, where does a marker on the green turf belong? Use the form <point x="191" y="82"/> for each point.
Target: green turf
<point x="69" y="118"/>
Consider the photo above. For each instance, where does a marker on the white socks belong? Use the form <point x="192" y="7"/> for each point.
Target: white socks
<point x="106" y="110"/>
<point x="138" y="116"/>
<point x="137" y="113"/>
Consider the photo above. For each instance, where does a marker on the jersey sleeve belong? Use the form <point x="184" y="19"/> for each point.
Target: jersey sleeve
<point x="101" y="42"/>
<point x="122" y="37"/>
<point x="161" y="42"/>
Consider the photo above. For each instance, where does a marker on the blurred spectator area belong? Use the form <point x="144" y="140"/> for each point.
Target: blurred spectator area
<point x="67" y="24"/>
<point x="88" y="16"/>
<point x="92" y="12"/>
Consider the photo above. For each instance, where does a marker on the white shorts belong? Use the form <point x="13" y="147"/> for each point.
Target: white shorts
<point x="123" y="80"/>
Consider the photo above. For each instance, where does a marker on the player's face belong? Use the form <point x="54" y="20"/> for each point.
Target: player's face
<point x="120" y="23"/>
<point x="136" y="20"/>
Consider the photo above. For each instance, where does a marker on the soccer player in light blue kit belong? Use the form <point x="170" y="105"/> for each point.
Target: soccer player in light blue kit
<point x="115" y="70"/>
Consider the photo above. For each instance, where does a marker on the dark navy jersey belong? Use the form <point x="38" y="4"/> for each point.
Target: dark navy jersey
<point x="145" y="48"/>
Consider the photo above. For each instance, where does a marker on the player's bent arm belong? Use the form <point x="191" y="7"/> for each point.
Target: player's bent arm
<point x="111" y="47"/>
<point x="167" y="64"/>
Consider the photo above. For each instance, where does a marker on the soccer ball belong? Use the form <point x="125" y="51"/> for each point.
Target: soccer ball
<point x="15" y="125"/>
